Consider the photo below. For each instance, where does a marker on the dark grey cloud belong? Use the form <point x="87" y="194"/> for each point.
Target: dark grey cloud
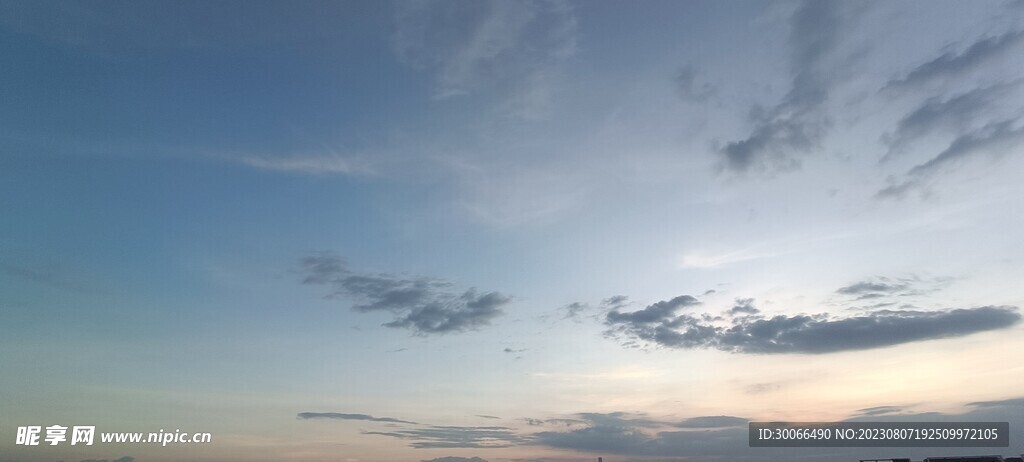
<point x="716" y="421"/>
<point x="689" y="89"/>
<point x="423" y="305"/>
<point x="892" y="288"/>
<point x="615" y="302"/>
<point x="716" y="443"/>
<point x="743" y="306"/>
<point x="1005" y="403"/>
<point x="574" y="309"/>
<point x="941" y="115"/>
<point x="612" y="434"/>
<point x="457" y="437"/>
<point x="488" y="416"/>
<point x="562" y="422"/>
<point x="952" y="63"/>
<point x="341" y="416"/>
<point x="798" y="123"/>
<point x="653" y="313"/>
<point x="456" y="459"/>
<point x="994" y="140"/>
<point x="811" y="334"/>
<point x="877" y="288"/>
<point x="880" y="410"/>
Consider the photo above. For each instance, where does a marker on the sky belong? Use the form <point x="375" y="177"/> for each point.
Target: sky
<point x="466" y="231"/>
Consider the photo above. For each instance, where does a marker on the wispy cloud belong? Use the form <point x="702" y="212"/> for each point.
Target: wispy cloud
<point x="954" y="114"/>
<point x="798" y="123"/>
<point x="456" y="459"/>
<point x="456" y="437"/>
<point x="690" y="89"/>
<point x="423" y="305"/>
<point x="326" y="164"/>
<point x="46" y="277"/>
<point x="993" y="140"/>
<point x="514" y="49"/>
<point x="953" y="63"/>
<point x="342" y="416"/>
<point x="702" y="259"/>
<point x="718" y="421"/>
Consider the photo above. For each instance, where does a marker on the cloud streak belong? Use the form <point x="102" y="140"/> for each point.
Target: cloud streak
<point x="456" y="437"/>
<point x="939" y="115"/>
<point x="512" y="49"/>
<point x="423" y="305"/>
<point x="952" y="64"/>
<point x="342" y="416"/>
<point x="995" y="140"/>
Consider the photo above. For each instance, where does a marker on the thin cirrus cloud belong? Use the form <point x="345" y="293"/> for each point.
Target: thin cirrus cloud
<point x="512" y="49"/>
<point x="326" y="164"/>
<point x="423" y="305"/>
<point x="953" y="64"/>
<point x="940" y="115"/>
<point x="456" y="459"/>
<point x="662" y="325"/>
<point x="342" y="416"/>
<point x="441" y="436"/>
<point x="423" y="436"/>
<point x="985" y="120"/>
<point x="993" y="140"/>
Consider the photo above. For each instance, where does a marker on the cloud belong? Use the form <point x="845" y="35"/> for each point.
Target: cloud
<point x="42" y="276"/>
<point x="653" y="313"/>
<point x="994" y="139"/>
<point x="797" y="124"/>
<point x="879" y="410"/>
<point x="729" y="442"/>
<point x="615" y="302"/>
<point x="743" y="306"/>
<point x="869" y="287"/>
<point x="574" y="309"/>
<point x="340" y="416"/>
<point x="658" y="324"/>
<point x="613" y="434"/>
<point x="515" y="49"/>
<point x="688" y="88"/>
<point x="321" y="164"/>
<point x="938" y="115"/>
<point x="715" y="260"/>
<point x="879" y="287"/>
<point x="951" y="64"/>
<point x="457" y="437"/>
<point x="1015" y="403"/>
<point x="456" y="459"/>
<point x="718" y="421"/>
<point x="423" y="305"/>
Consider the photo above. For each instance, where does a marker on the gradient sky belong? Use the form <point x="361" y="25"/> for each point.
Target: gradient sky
<point x="518" y="231"/>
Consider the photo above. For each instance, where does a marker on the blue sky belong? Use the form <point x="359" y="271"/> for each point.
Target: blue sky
<point x="537" y="230"/>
